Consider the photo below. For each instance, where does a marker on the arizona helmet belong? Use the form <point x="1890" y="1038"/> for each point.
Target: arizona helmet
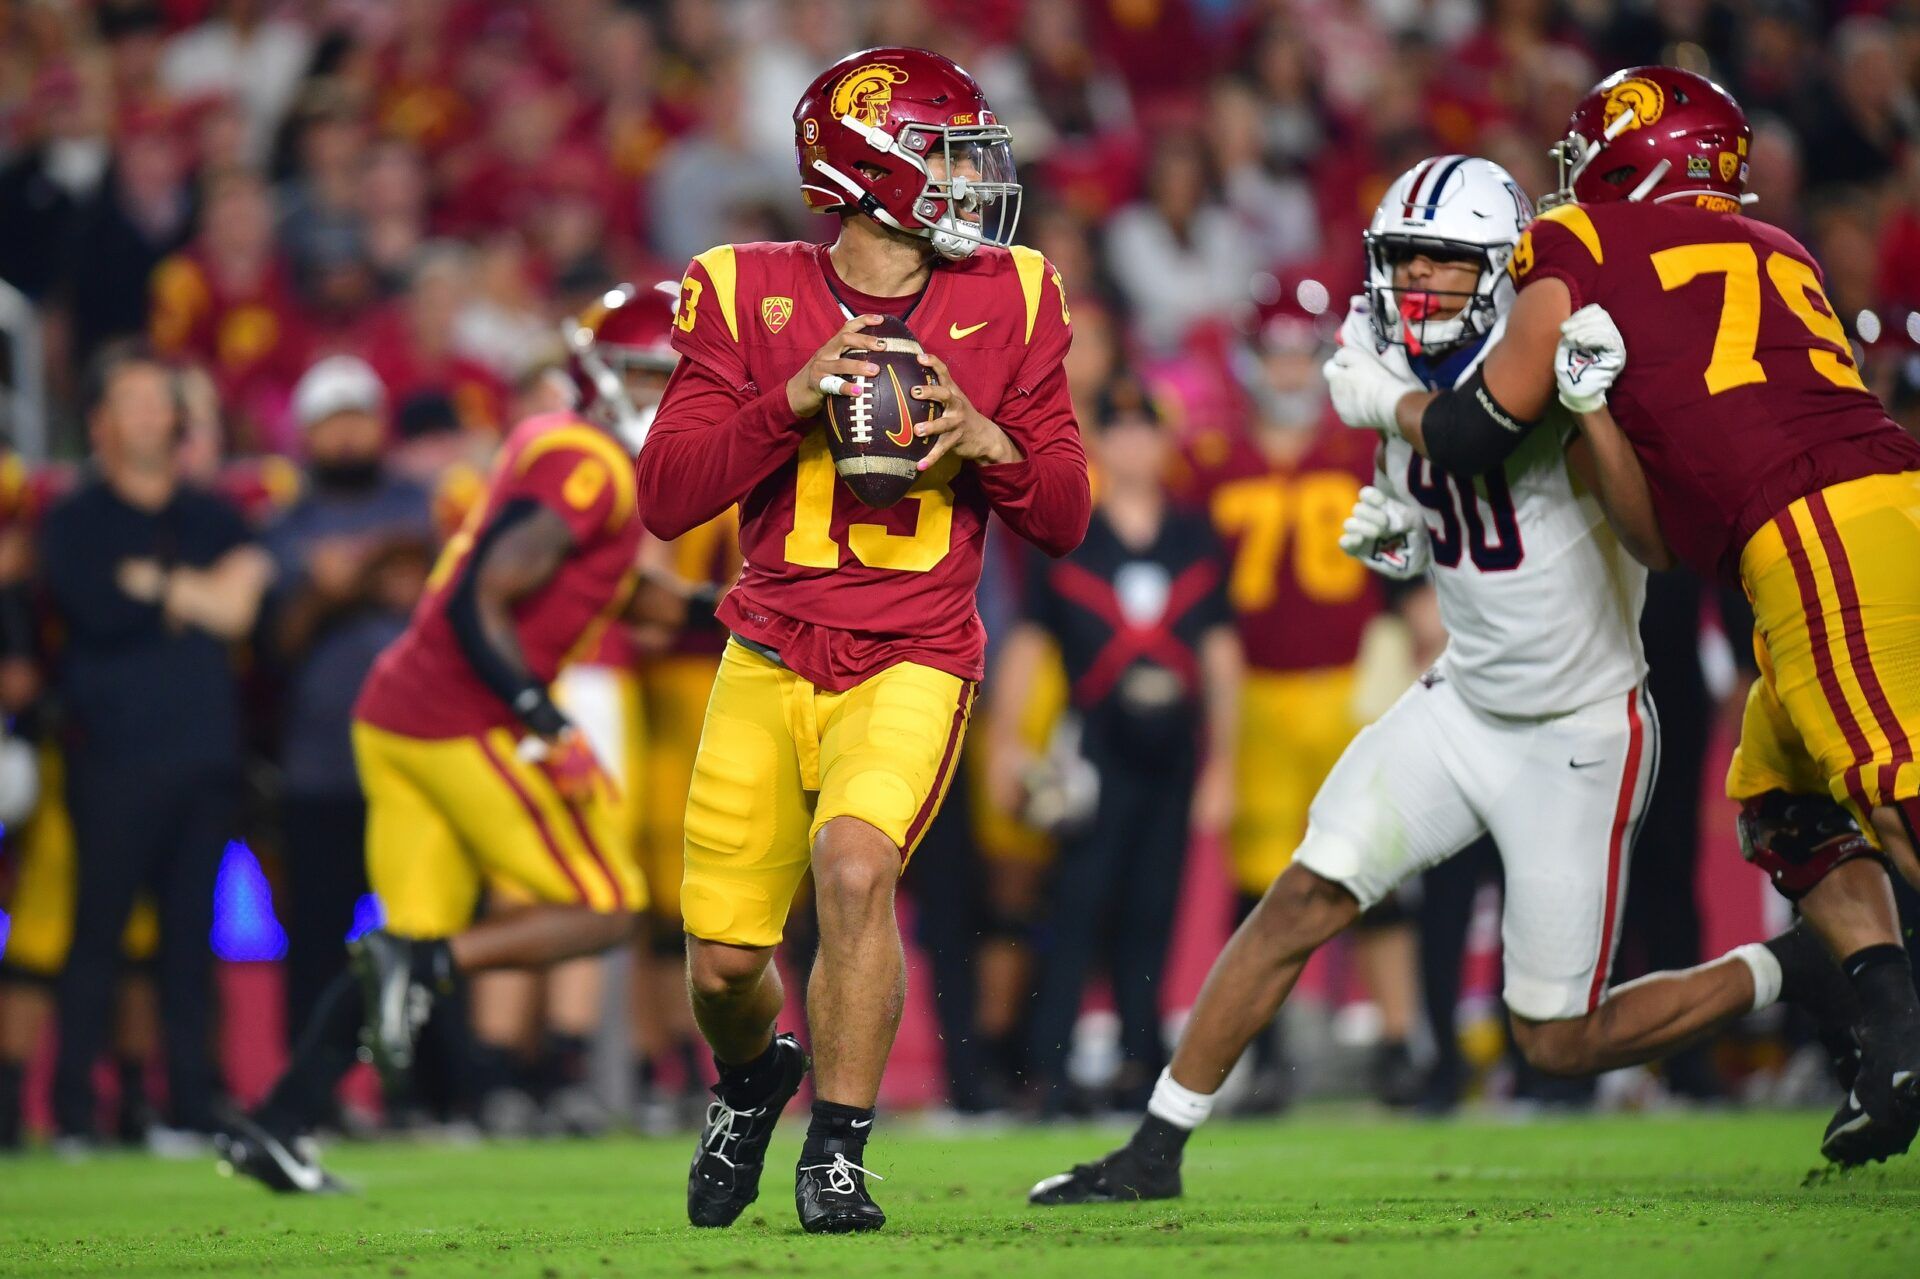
<point x="1448" y="206"/>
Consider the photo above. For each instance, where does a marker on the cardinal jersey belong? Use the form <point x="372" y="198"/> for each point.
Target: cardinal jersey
<point x="1301" y="603"/>
<point x="838" y="589"/>
<point x="423" y="686"/>
<point x="1740" y="395"/>
<point x="1541" y="603"/>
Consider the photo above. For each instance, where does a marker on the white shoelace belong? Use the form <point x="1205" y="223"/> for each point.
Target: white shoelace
<point x="840" y="1174"/>
<point x="720" y="1119"/>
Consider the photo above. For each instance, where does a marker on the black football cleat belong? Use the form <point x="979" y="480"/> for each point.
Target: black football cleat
<point x="832" y="1197"/>
<point x="249" y="1150"/>
<point x="397" y="1005"/>
<point x="725" y="1176"/>
<point x="1881" y="1113"/>
<point x="1124" y="1176"/>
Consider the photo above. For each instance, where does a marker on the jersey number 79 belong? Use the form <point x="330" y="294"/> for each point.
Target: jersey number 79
<point x="1733" y="363"/>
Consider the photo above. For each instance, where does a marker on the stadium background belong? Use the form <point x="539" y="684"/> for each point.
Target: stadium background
<point x="435" y="184"/>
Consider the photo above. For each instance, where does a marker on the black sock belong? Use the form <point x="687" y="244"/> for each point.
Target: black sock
<point x="837" y="1130"/>
<point x="1158" y="1141"/>
<point x="748" y="1084"/>
<point x="1884" y="981"/>
<point x="566" y="1059"/>
<point x="490" y="1068"/>
<point x="431" y="961"/>
<point x="12" y="1078"/>
<point x="327" y="1050"/>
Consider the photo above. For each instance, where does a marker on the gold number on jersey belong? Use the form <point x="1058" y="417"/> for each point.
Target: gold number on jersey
<point x="689" y="302"/>
<point x="1733" y="342"/>
<point x="1799" y="286"/>
<point x="1733" y="363"/>
<point x="1260" y="512"/>
<point x="810" y="542"/>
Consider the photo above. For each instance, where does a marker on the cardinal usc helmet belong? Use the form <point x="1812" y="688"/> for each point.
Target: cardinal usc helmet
<point x="907" y="138"/>
<point x="627" y="330"/>
<point x="1453" y="207"/>
<point x="1655" y="133"/>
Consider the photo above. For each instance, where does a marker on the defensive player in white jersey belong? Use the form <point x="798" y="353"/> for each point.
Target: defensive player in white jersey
<point x="1534" y="725"/>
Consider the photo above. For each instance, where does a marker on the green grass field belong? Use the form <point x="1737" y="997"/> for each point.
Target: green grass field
<point x="1328" y="1195"/>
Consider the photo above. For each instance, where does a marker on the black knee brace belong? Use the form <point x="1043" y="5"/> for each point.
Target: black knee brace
<point x="1798" y="839"/>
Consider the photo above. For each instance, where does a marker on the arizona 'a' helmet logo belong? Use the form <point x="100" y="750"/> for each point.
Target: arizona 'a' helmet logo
<point x="866" y="93"/>
<point x="1641" y="96"/>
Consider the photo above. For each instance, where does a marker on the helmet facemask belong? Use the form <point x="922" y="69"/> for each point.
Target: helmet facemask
<point x="607" y="367"/>
<point x="974" y="201"/>
<point x="1406" y="316"/>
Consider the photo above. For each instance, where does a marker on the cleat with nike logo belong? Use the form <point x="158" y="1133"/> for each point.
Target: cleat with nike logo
<point x="1881" y="1115"/>
<point x="396" y="1005"/>
<point x="1124" y="1176"/>
<point x="832" y="1197"/>
<point x="725" y="1176"/>
<point x="249" y="1150"/>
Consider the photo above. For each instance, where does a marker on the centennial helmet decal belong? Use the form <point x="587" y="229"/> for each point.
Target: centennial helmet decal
<point x="775" y="312"/>
<point x="866" y="93"/>
<point x="1637" y="94"/>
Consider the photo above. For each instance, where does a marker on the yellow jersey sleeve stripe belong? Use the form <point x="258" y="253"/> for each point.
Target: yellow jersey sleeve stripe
<point x="723" y="270"/>
<point x="1032" y="268"/>
<point x="1575" y="219"/>
<point x="597" y="444"/>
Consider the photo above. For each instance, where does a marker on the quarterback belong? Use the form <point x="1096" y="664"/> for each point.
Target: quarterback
<point x="473" y="775"/>
<point x="1534" y="726"/>
<point x="1740" y="440"/>
<point x="836" y="719"/>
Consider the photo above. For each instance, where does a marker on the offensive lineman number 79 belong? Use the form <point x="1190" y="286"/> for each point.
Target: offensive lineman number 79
<point x="1733" y="363"/>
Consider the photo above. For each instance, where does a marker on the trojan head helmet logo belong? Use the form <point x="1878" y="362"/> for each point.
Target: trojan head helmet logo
<point x="866" y="93"/>
<point x="1641" y="96"/>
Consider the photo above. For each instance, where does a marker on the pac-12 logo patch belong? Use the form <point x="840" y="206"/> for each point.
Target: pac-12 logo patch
<point x="775" y="312"/>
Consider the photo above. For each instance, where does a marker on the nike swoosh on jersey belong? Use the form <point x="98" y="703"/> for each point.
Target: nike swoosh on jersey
<point x="1584" y="763"/>
<point x="955" y="332"/>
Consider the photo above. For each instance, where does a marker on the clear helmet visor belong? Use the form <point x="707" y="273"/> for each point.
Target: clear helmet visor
<point x="972" y="193"/>
<point x="1426" y="317"/>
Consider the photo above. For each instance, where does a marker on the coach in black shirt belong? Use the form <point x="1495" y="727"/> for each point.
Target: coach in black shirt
<point x="152" y="580"/>
<point x="1139" y="613"/>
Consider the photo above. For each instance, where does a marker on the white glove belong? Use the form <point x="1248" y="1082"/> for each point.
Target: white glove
<point x="1590" y="357"/>
<point x="1386" y="536"/>
<point x="1364" y="391"/>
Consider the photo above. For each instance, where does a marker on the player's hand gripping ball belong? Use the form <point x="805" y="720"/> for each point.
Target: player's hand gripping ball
<point x="863" y="381"/>
<point x="1590" y="358"/>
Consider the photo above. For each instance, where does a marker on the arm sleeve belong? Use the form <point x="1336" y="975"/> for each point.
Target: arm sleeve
<point x="1044" y="497"/>
<point x="716" y="434"/>
<point x="709" y="445"/>
<point x="1216" y="609"/>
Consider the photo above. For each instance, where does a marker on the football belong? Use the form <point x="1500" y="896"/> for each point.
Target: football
<point x="870" y="435"/>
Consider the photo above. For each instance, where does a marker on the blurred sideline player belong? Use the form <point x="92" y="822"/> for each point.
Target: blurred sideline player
<point x="40" y="848"/>
<point x="474" y="775"/>
<point x="1277" y="494"/>
<point x="843" y="695"/>
<point x="1741" y="441"/>
<point x="1533" y="727"/>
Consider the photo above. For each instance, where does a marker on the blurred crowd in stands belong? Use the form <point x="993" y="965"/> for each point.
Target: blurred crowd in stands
<point x="254" y="190"/>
